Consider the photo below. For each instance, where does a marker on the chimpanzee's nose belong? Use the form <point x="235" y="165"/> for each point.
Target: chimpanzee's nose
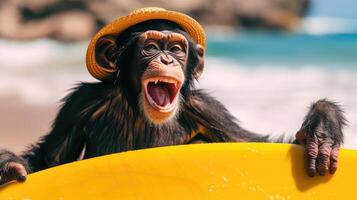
<point x="165" y="59"/>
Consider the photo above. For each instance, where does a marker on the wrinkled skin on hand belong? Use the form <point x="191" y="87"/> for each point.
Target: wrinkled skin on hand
<point x="117" y="115"/>
<point x="13" y="171"/>
<point x="12" y="167"/>
<point x="321" y="132"/>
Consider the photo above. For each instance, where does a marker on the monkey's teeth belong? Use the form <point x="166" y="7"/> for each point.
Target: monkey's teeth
<point x="166" y="80"/>
<point x="162" y="92"/>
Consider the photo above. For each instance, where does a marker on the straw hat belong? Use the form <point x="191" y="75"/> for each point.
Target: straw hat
<point x="191" y="26"/>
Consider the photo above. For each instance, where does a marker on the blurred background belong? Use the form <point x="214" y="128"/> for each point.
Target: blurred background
<point x="267" y="60"/>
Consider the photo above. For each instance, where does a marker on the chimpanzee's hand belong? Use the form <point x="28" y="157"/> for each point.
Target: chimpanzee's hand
<point x="321" y="150"/>
<point x="321" y="132"/>
<point x="12" y="167"/>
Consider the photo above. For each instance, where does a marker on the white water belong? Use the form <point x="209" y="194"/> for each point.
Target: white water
<point x="265" y="99"/>
<point x="275" y="100"/>
<point x="328" y="25"/>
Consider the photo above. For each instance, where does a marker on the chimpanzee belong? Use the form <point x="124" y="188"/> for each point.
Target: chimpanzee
<point x="150" y="100"/>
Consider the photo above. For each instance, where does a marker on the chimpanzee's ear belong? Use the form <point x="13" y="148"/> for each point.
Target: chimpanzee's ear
<point x="200" y="64"/>
<point x="106" y="47"/>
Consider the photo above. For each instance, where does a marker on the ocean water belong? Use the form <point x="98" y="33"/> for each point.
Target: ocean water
<point x="256" y="49"/>
<point x="266" y="79"/>
<point x="269" y="79"/>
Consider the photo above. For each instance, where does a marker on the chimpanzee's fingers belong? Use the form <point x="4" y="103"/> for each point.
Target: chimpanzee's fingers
<point x="334" y="158"/>
<point x="14" y="171"/>
<point x="300" y="136"/>
<point x="19" y="172"/>
<point x="323" y="158"/>
<point x="311" y="152"/>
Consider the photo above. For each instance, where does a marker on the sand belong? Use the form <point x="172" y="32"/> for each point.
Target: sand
<point x="21" y="123"/>
<point x="266" y="99"/>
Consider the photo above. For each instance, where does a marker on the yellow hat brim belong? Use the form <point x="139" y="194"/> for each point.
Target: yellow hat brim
<point x="191" y="26"/>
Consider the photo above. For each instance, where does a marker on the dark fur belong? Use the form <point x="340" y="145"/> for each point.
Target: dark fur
<point x="104" y="118"/>
<point x="327" y="117"/>
<point x="105" y="122"/>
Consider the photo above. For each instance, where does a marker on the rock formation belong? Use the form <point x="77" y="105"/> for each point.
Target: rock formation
<point x="69" y="20"/>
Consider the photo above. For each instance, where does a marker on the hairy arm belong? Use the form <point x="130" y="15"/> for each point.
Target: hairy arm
<point x="321" y="132"/>
<point x="215" y="123"/>
<point x="66" y="140"/>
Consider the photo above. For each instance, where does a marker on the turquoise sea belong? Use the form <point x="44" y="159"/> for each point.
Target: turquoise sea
<point x="266" y="79"/>
<point x="254" y="49"/>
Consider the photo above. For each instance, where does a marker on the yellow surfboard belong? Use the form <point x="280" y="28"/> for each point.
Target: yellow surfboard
<point x="205" y="171"/>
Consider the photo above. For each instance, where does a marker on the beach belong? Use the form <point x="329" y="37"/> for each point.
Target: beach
<point x="267" y="93"/>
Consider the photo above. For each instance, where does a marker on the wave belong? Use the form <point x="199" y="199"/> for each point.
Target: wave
<point x="274" y="100"/>
<point x="267" y="99"/>
<point x="328" y="25"/>
<point x="31" y="55"/>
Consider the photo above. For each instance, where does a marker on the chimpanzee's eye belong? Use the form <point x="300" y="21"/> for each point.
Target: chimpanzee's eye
<point x="150" y="47"/>
<point x="176" y="48"/>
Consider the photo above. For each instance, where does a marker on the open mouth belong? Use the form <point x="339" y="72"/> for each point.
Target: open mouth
<point x="161" y="92"/>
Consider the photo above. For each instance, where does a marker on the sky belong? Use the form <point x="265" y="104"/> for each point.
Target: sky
<point x="334" y="8"/>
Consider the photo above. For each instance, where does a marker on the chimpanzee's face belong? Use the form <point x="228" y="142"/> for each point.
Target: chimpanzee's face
<point x="156" y="65"/>
<point x="160" y="61"/>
